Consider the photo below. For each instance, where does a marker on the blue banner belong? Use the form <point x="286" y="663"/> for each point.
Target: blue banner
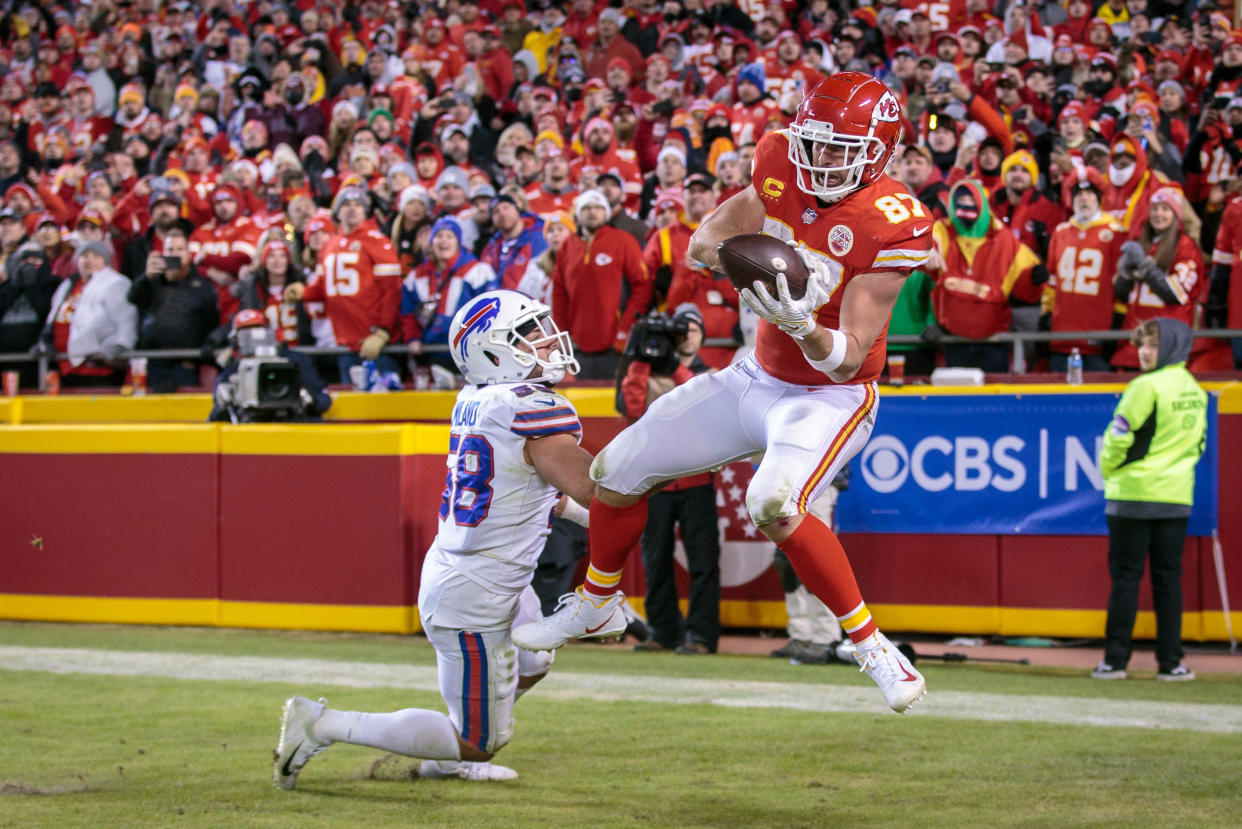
<point x="995" y="465"/>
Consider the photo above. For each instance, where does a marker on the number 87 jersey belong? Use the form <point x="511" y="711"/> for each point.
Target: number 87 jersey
<point x="879" y="227"/>
<point x="496" y="510"/>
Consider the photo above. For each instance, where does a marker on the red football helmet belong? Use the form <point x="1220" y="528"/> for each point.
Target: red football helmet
<point x="850" y="112"/>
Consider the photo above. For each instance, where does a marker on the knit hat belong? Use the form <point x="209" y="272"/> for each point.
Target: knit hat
<point x="453" y="176"/>
<point x="414" y="191"/>
<point x="677" y="152"/>
<point x="670" y="199"/>
<point x="160" y="195"/>
<point x="1023" y="159"/>
<point x="590" y="197"/>
<point x="1170" y="197"/>
<point x="447" y="223"/>
<point x="688" y="311"/>
<point x="363" y="151"/>
<point x="561" y="216"/>
<point x="350" y="192"/>
<point x="1174" y="85"/>
<point x="101" y="250"/>
<point x="753" y="73"/>
<point x="269" y="247"/>
<point x="402" y="167"/>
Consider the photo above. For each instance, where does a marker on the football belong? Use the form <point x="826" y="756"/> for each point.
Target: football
<point x="757" y="257"/>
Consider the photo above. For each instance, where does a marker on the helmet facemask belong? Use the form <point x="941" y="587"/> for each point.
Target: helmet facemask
<point x="810" y="138"/>
<point x="533" y="330"/>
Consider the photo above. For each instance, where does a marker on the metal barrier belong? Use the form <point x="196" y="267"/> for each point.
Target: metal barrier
<point x="1018" y="339"/>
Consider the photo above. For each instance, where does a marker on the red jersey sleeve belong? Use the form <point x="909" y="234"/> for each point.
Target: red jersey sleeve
<point x="386" y="268"/>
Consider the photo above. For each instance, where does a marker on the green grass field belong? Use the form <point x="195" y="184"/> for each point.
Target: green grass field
<point x="129" y="729"/>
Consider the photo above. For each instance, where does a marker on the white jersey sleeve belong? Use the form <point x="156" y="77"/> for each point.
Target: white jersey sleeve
<point x="496" y="511"/>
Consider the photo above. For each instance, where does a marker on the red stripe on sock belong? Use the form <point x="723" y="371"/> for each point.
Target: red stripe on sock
<point x="614" y="532"/>
<point x="820" y="561"/>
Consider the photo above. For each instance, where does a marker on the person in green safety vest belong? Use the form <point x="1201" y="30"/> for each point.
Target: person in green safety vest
<point x="1148" y="460"/>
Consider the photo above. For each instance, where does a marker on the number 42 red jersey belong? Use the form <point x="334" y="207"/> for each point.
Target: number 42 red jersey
<point x="878" y="228"/>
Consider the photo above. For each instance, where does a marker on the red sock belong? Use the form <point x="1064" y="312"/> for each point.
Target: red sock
<point x="819" y="560"/>
<point x="614" y="532"/>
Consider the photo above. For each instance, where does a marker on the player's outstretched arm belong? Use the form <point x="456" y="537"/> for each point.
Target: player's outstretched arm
<point x="866" y="305"/>
<point x="743" y="213"/>
<point x="564" y="464"/>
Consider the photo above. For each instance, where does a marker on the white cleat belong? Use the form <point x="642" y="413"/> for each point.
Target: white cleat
<point x="900" y="683"/>
<point x="576" y="617"/>
<point x="440" y="769"/>
<point x="297" y="740"/>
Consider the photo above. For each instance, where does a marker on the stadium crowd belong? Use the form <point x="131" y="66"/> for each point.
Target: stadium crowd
<point x="356" y="171"/>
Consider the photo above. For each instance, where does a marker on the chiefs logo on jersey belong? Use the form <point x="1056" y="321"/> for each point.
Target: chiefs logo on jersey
<point x="840" y="240"/>
<point x="887" y="108"/>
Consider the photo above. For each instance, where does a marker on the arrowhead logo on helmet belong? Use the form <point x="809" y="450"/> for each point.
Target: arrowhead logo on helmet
<point x="887" y="109"/>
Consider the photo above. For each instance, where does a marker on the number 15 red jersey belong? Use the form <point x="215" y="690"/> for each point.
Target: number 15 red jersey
<point x="358" y="279"/>
<point x="876" y="229"/>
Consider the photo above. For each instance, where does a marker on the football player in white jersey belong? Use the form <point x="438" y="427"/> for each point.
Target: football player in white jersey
<point x="513" y="448"/>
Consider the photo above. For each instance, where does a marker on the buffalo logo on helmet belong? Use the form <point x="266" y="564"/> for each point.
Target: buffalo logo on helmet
<point x="840" y="240"/>
<point x="479" y="319"/>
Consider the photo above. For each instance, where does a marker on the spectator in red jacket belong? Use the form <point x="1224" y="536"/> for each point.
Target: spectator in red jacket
<point x="595" y="270"/>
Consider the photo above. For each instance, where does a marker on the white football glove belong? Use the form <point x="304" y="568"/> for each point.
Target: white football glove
<point x="817" y="267"/>
<point x="748" y="298"/>
<point x="796" y="317"/>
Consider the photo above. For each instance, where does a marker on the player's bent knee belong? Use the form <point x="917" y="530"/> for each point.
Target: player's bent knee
<point x="767" y="505"/>
<point x="780" y="529"/>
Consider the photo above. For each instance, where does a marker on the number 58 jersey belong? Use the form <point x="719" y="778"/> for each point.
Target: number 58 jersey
<point x="496" y="511"/>
<point x="878" y="228"/>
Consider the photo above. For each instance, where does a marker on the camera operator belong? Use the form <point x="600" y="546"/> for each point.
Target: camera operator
<point x="662" y="353"/>
<point x="265" y="382"/>
<point x="179" y="310"/>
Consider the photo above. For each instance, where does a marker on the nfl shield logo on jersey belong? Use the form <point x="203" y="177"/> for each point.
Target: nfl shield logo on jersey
<point x="840" y="240"/>
<point x="809" y="216"/>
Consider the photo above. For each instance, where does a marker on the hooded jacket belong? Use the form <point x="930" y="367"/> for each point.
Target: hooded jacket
<point x="1128" y="202"/>
<point x="1158" y="433"/>
<point x="984" y="264"/>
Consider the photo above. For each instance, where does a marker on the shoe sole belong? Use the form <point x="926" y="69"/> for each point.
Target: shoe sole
<point x="1186" y="678"/>
<point x="1108" y="677"/>
<point x="277" y="777"/>
<point x="910" y="704"/>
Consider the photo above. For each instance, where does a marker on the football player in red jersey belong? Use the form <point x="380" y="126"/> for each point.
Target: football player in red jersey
<point x="358" y="278"/>
<point x="806" y="398"/>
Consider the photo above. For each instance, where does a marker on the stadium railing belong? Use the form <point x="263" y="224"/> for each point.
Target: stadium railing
<point x="1017" y="339"/>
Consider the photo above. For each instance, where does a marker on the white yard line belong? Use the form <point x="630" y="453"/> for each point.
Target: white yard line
<point x="313" y="674"/>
